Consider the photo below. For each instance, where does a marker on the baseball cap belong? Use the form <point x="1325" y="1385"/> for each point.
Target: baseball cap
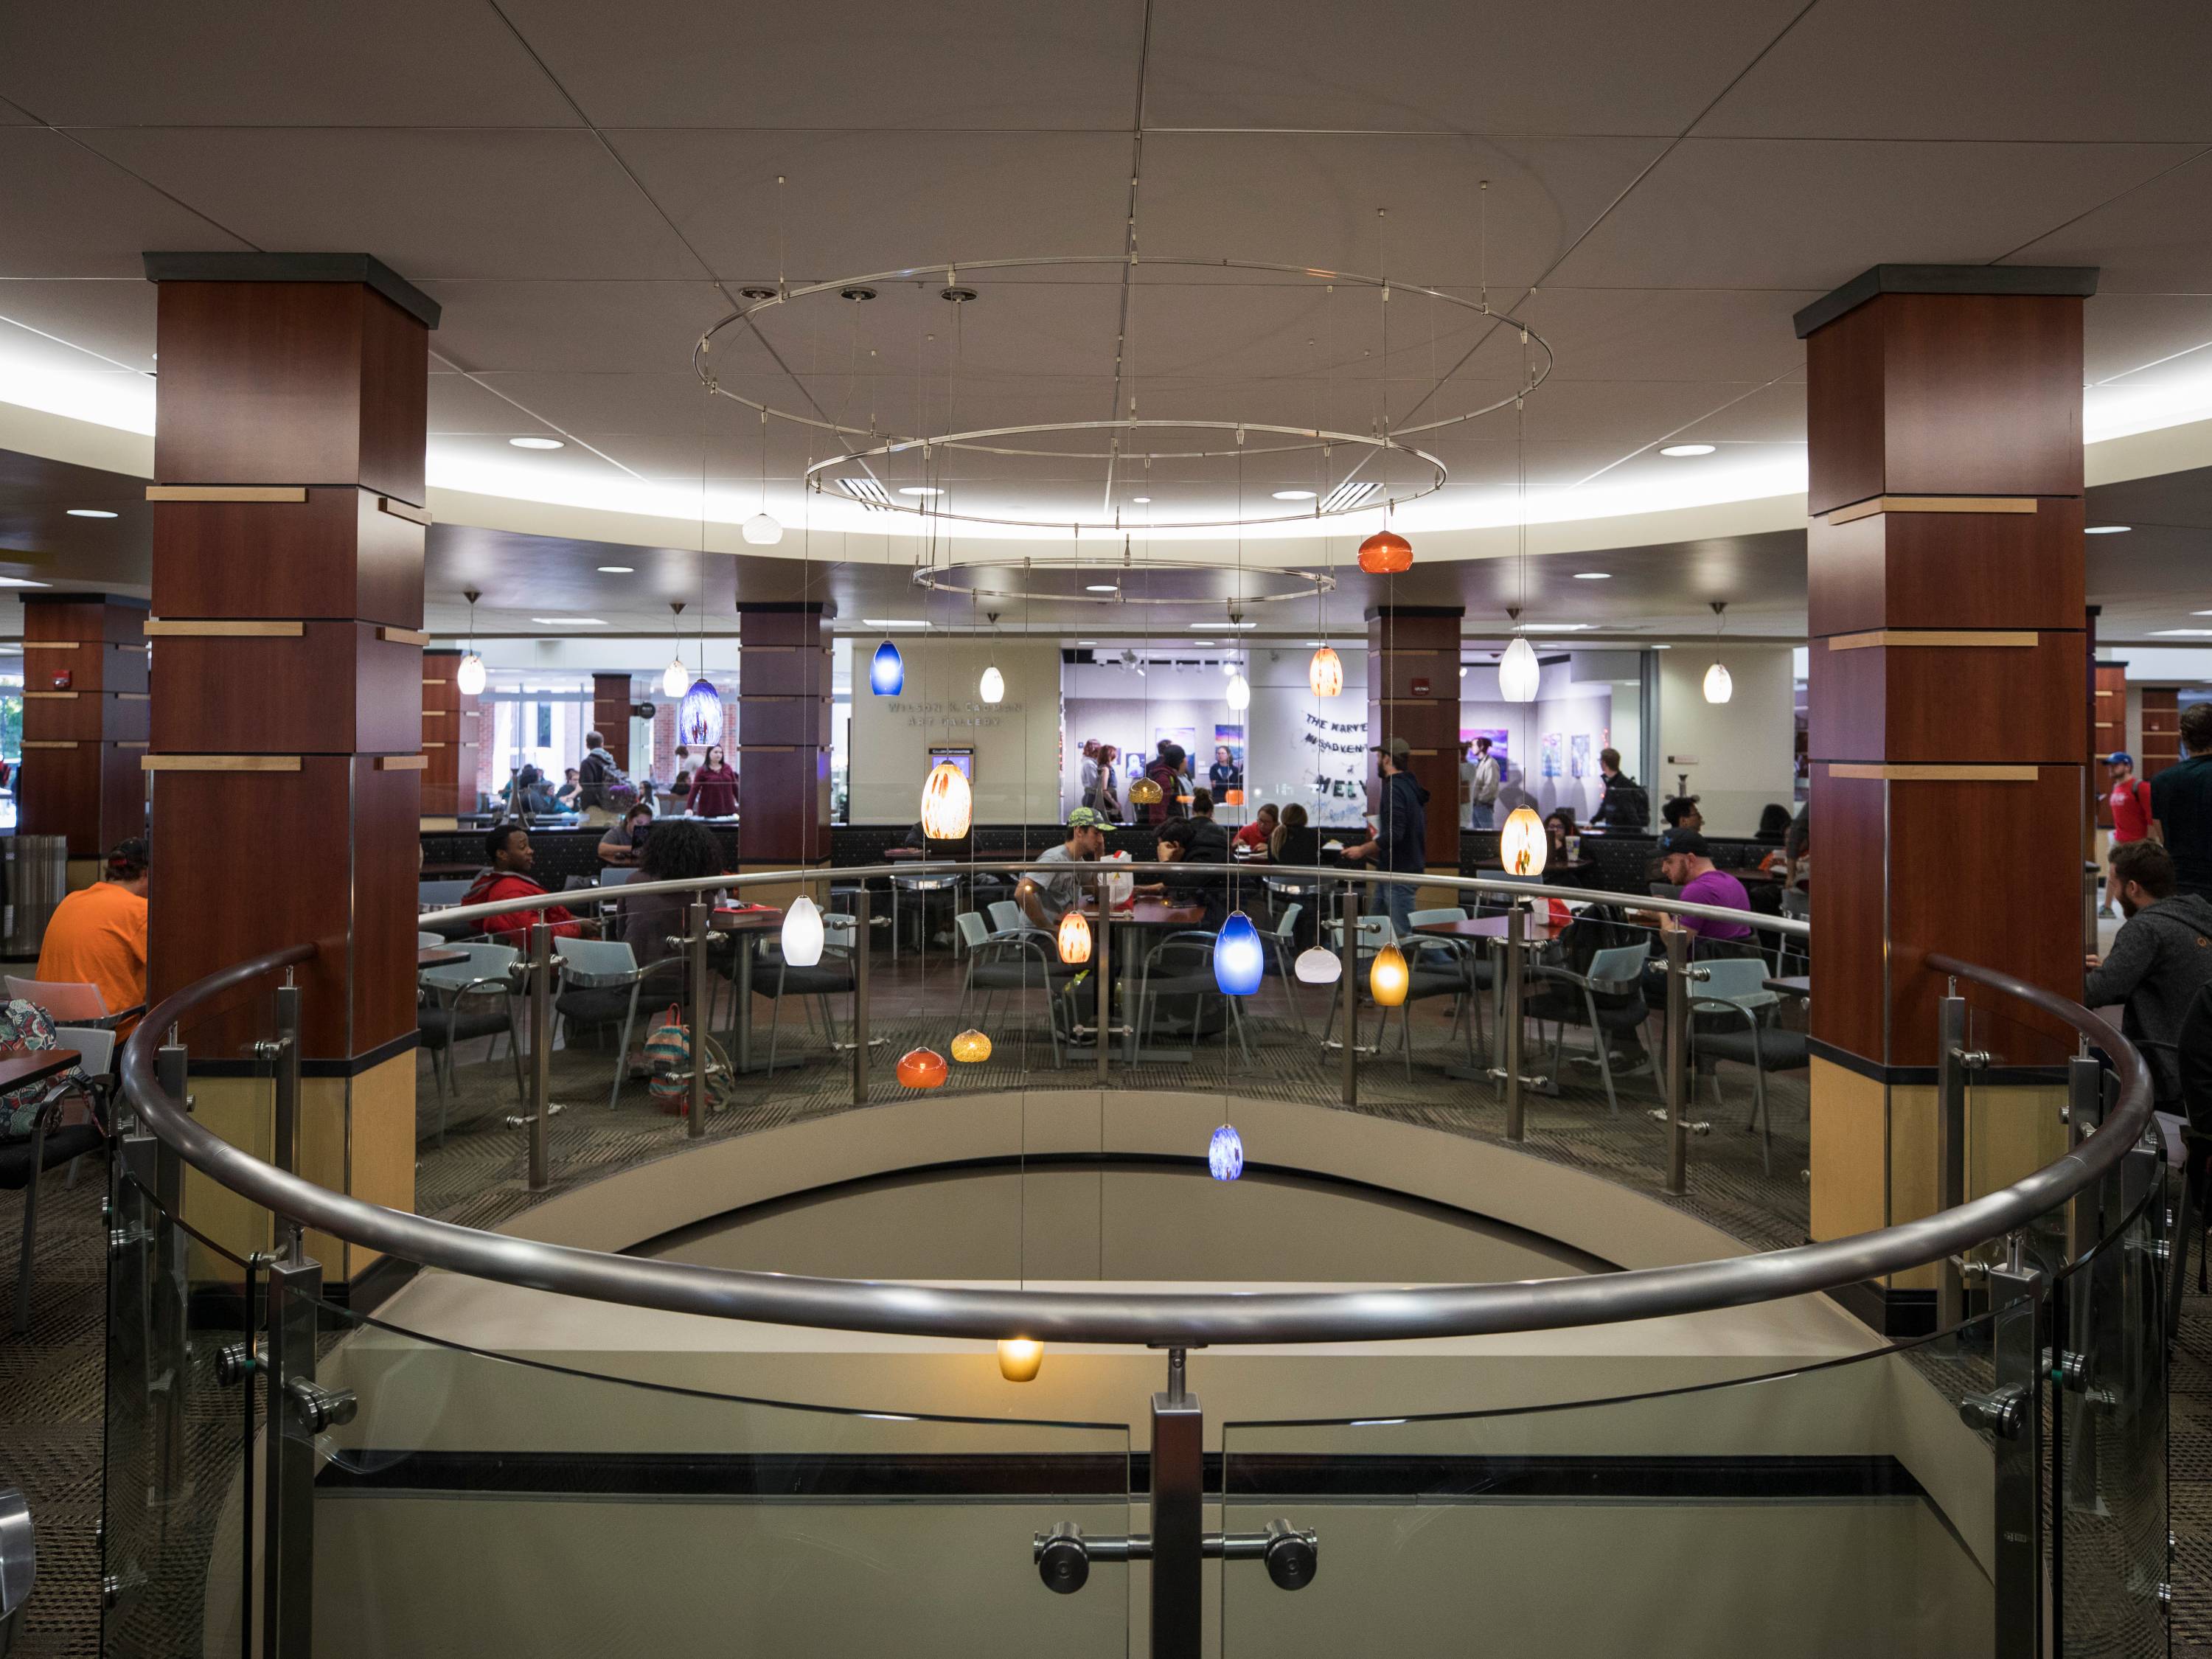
<point x="1087" y="818"/>
<point x="1685" y="840"/>
<point x="1398" y="749"/>
<point x="2119" y="758"/>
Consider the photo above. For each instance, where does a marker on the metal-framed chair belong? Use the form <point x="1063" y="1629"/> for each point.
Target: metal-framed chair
<point x="1608" y="998"/>
<point x="1015" y="960"/>
<point x="455" y="1006"/>
<point x="1733" y="988"/>
<point x="832" y="974"/>
<point x="1188" y="959"/>
<point x="1006" y="917"/>
<point x="50" y="1144"/>
<point x="1470" y="964"/>
<point x="62" y="1000"/>
<point x="1282" y="938"/>
<point x="599" y="981"/>
<point x="1791" y="956"/>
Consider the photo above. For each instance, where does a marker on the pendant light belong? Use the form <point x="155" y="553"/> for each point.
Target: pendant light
<point x="1020" y="1358"/>
<point x="1238" y="960"/>
<point x="469" y="673"/>
<point x="1325" y="673"/>
<point x="1387" y="980"/>
<point x="762" y="530"/>
<point x="886" y="671"/>
<point x="1144" y="791"/>
<point x="802" y="932"/>
<point x="1224" y="1153"/>
<point x="1318" y="965"/>
<point x="676" y="678"/>
<point x="1240" y="692"/>
<point x="971" y="1047"/>
<point x="921" y="1068"/>
<point x="1521" y="844"/>
<point x="1518" y="672"/>
<point x="1074" y="937"/>
<point x="993" y="688"/>
<point x="947" y="802"/>
<point x="1719" y="687"/>
<point x="1386" y="553"/>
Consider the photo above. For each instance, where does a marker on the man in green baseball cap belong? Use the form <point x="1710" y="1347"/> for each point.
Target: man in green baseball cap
<point x="1046" y="895"/>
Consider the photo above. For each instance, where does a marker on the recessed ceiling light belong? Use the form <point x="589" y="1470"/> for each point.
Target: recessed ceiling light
<point x="1462" y="671"/>
<point x="2181" y="633"/>
<point x="891" y="622"/>
<point x="537" y="443"/>
<point x="616" y="569"/>
<point x="1680" y="450"/>
<point x="571" y="622"/>
<point x="1314" y="645"/>
<point x="102" y="513"/>
<point x="1142" y="500"/>
<point x="22" y="581"/>
<point x="919" y="489"/>
<point x="1194" y="643"/>
<point x="1592" y="575"/>
<point x="1086" y="642"/>
<point x="2108" y="530"/>
<point x="1663" y="647"/>
<point x="1557" y="628"/>
<point x="1100" y="588"/>
<point x="1222" y="628"/>
<point x="1294" y="494"/>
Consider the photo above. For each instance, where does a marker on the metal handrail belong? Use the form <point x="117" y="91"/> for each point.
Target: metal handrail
<point x="1787" y="926"/>
<point x="1190" y="1320"/>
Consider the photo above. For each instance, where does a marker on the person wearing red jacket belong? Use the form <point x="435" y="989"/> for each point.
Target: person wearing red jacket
<point x="507" y="876"/>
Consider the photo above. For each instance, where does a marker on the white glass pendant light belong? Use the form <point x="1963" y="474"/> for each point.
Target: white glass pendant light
<point x="1240" y="692"/>
<point x="1518" y="672"/>
<point x="993" y="687"/>
<point x="1318" y="966"/>
<point x="1719" y="687"/>
<point x="676" y="678"/>
<point x="469" y="673"/>
<point x="762" y="530"/>
<point x="802" y="932"/>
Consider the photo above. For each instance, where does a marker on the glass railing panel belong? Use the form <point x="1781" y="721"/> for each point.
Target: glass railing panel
<point x="466" y="1502"/>
<point x="177" y="1503"/>
<point x="1844" y="1511"/>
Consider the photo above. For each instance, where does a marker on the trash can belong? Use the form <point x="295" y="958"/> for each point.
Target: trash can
<point x="37" y="870"/>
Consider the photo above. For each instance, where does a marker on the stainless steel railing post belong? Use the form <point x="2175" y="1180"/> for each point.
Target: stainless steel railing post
<point x="2018" y="1296"/>
<point x="541" y="1052"/>
<point x="1678" y="1060"/>
<point x="695" y="942"/>
<point x="2085" y="1292"/>
<point x="1950" y="1146"/>
<point x="1178" y="1516"/>
<point x="860" y="939"/>
<point x="296" y="1410"/>
<point x="1102" y="958"/>
<point x="1510" y="970"/>
<point x="1348" y="982"/>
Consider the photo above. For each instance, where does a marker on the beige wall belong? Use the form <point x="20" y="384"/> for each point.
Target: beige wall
<point x="1744" y="749"/>
<point x="1017" y="743"/>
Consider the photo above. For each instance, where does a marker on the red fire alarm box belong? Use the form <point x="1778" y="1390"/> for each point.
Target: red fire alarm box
<point x="1420" y="687"/>
<point x="61" y="679"/>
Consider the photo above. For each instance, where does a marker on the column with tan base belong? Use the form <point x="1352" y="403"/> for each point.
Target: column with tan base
<point x="1948" y="724"/>
<point x="286" y="768"/>
<point x="1413" y="692"/>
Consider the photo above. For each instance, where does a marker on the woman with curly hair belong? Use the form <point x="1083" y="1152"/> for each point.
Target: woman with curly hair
<point x="678" y="850"/>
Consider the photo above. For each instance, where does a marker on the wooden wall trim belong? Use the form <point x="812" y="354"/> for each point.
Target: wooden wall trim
<point x="1872" y="505"/>
<point x="202" y="630"/>
<point x="399" y="510"/>
<point x="402" y="762"/>
<point x="1932" y="774"/>
<point x="52" y="645"/>
<point x="292" y="493"/>
<point x="220" y="763"/>
<point x="58" y="696"/>
<point x="404" y="635"/>
<point x="50" y="743"/>
<point x="1887" y="637"/>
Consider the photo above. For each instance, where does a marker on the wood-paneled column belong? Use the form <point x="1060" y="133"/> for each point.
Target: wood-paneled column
<point x="453" y="721"/>
<point x="610" y="707"/>
<point x="286" y="765"/>
<point x="1413" y="692"/>
<point x="84" y="724"/>
<point x="783" y="741"/>
<point x="1948" y="723"/>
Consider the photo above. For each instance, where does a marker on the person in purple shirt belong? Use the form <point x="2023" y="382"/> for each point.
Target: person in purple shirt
<point x="1685" y="861"/>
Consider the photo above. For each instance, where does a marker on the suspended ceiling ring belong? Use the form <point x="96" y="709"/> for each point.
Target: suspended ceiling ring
<point x="1254" y="585"/>
<point x="862" y="287"/>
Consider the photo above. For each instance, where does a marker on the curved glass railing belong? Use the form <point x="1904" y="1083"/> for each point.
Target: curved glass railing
<point x="2045" y="1382"/>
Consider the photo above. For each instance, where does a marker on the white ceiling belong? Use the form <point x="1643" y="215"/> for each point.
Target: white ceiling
<point x="583" y="187"/>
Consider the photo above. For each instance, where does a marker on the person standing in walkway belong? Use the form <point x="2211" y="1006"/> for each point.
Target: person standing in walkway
<point x="714" y="786"/>
<point x="1400" y="841"/>
<point x="2129" y="803"/>
<point x="2181" y="805"/>
<point x="2160" y="960"/>
<point x="1479" y="770"/>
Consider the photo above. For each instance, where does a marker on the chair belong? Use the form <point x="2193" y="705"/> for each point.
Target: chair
<point x="1470" y="963"/>
<point x="1608" y="998"/>
<point x="1734" y="989"/>
<point x="599" y="978"/>
<point x="64" y="1000"/>
<point x="831" y="974"/>
<point x="1006" y="917"/>
<point x="21" y="1163"/>
<point x="443" y="892"/>
<point x="442" y="1021"/>
<point x="1011" y="961"/>
<point x="1791" y="956"/>
<point x="1182" y="964"/>
<point x="1285" y="940"/>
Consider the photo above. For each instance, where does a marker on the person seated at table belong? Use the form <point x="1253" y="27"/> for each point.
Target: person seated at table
<point x="1046" y="894"/>
<point x="564" y="798"/>
<point x="1773" y="824"/>
<point x="528" y="794"/>
<point x="1209" y="843"/>
<point x="506" y="875"/>
<point x="1685" y="861"/>
<point x="1294" y="841"/>
<point x="679" y="850"/>
<point x="97" y="935"/>
<point x="1179" y="844"/>
<point x="1681" y="813"/>
<point x="1558" y="825"/>
<point x="2160" y="960"/>
<point x="1252" y="837"/>
<point x="625" y="837"/>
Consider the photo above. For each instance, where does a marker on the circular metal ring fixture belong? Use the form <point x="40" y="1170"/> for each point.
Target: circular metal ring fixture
<point x="1255" y="585"/>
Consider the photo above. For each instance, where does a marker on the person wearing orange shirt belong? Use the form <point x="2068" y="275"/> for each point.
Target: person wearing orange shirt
<point x="97" y="936"/>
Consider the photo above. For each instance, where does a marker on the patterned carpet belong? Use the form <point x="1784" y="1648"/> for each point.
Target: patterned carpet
<point x="50" y="1383"/>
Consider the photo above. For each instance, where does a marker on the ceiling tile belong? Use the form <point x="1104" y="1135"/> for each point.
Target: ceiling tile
<point x="68" y="213"/>
<point x="1612" y="66"/>
<point x="409" y="63"/>
<point x="2037" y="69"/>
<point x="1669" y="334"/>
<point x="986" y="63"/>
<point x="447" y="202"/>
<point x="587" y="327"/>
<point x="1757" y="213"/>
<point x="110" y="320"/>
<point x="860" y="202"/>
<point x="2156" y="238"/>
<point x="1770" y="414"/>
<point x="909" y="330"/>
<point x="2125" y="333"/>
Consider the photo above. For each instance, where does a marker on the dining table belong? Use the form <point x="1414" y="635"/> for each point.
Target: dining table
<point x="1131" y="922"/>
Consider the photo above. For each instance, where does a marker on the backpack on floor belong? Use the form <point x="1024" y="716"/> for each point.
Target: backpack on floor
<point x="668" y="1066"/>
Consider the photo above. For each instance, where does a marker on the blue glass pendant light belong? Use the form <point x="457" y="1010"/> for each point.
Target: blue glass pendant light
<point x="1224" y="1154"/>
<point x="886" y="671"/>
<point x="1238" y="961"/>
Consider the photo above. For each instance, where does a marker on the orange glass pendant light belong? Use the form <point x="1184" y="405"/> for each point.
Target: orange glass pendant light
<point x="1074" y="937"/>
<point x="1144" y="791"/>
<point x="1386" y="553"/>
<point x="1325" y="673"/>
<point x="971" y="1048"/>
<point x="921" y="1068"/>
<point x="947" y="804"/>
<point x="1521" y="845"/>
<point x="1019" y="1358"/>
<point x="1387" y="979"/>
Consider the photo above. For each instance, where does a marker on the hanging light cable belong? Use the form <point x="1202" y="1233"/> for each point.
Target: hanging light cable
<point x="469" y="673"/>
